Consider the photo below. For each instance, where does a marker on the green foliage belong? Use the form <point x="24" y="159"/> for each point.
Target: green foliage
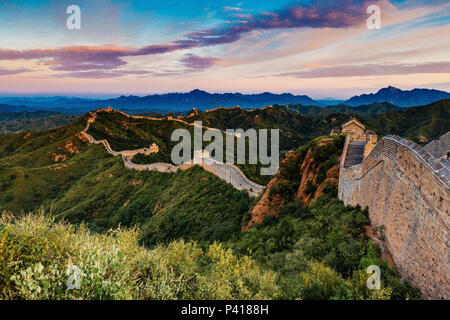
<point x="287" y="189"/>
<point x="36" y="252"/>
<point x="36" y="120"/>
<point x="365" y="111"/>
<point x="90" y="186"/>
<point x="312" y="252"/>
<point x="295" y="129"/>
<point x="430" y="121"/>
<point x="310" y="188"/>
<point x="330" y="189"/>
<point x="322" y="152"/>
<point x="325" y="156"/>
<point x="290" y="169"/>
<point x="125" y="133"/>
<point x="207" y="210"/>
<point x="327" y="165"/>
<point x="318" y="253"/>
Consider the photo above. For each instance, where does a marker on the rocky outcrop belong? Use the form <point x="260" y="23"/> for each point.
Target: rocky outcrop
<point x="268" y="205"/>
<point x="310" y="187"/>
<point x="309" y="190"/>
<point x="309" y="174"/>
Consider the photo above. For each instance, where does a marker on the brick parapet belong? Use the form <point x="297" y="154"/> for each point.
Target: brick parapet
<point x="407" y="190"/>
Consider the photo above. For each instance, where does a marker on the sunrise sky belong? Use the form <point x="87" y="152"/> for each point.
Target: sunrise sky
<point x="320" y="48"/>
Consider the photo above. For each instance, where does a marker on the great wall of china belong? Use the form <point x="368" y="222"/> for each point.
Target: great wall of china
<point x="406" y="190"/>
<point x="405" y="187"/>
<point x="227" y="172"/>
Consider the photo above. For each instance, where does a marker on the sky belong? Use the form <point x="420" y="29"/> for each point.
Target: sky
<point x="322" y="48"/>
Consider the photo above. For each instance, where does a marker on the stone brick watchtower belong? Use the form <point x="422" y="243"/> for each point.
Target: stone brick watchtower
<point x="359" y="144"/>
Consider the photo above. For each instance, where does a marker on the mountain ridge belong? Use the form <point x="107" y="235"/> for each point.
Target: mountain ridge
<point x="185" y="101"/>
<point x="403" y="98"/>
<point x="176" y="101"/>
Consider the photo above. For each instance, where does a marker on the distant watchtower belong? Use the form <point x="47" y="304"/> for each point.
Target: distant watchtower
<point x="359" y="143"/>
<point x="355" y="129"/>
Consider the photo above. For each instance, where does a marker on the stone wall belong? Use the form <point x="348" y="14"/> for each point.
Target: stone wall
<point x="227" y="172"/>
<point x="439" y="148"/>
<point x="407" y="190"/>
<point x="371" y="142"/>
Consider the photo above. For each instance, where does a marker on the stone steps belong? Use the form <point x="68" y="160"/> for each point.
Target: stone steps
<point x="355" y="154"/>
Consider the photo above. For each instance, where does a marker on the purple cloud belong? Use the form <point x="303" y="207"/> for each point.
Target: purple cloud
<point x="319" y="14"/>
<point x="196" y="63"/>
<point x="81" y="60"/>
<point x="4" y="72"/>
<point x="71" y="58"/>
<point x="100" y="74"/>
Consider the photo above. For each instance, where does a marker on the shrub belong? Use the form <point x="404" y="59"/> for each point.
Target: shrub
<point x="36" y="254"/>
<point x="330" y="189"/>
<point x="310" y="188"/>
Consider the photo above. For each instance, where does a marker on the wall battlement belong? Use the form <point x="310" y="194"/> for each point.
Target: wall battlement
<point x="439" y="148"/>
<point x="408" y="191"/>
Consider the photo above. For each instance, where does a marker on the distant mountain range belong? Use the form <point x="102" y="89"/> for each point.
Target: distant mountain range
<point x="178" y="102"/>
<point x="402" y="98"/>
<point x="162" y="102"/>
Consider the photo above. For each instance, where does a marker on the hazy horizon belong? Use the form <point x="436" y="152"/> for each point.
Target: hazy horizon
<point x="117" y="95"/>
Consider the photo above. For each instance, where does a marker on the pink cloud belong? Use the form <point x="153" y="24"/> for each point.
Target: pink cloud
<point x="4" y="72"/>
<point x="196" y="63"/>
<point x="372" y="70"/>
<point x="94" y="59"/>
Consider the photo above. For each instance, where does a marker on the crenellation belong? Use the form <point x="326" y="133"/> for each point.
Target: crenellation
<point x="439" y="148"/>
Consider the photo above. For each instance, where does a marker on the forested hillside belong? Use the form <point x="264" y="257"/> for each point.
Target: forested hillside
<point x="312" y="248"/>
<point x="85" y="184"/>
<point x="421" y="124"/>
<point x="36" y="120"/>
<point x="365" y="111"/>
<point x="295" y="129"/>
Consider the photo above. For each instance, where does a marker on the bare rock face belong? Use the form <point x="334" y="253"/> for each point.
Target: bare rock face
<point x="332" y="177"/>
<point x="308" y="172"/>
<point x="267" y="205"/>
<point x="308" y="191"/>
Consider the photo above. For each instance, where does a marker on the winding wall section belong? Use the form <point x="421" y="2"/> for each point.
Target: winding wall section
<point x="227" y="172"/>
<point x="406" y="190"/>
